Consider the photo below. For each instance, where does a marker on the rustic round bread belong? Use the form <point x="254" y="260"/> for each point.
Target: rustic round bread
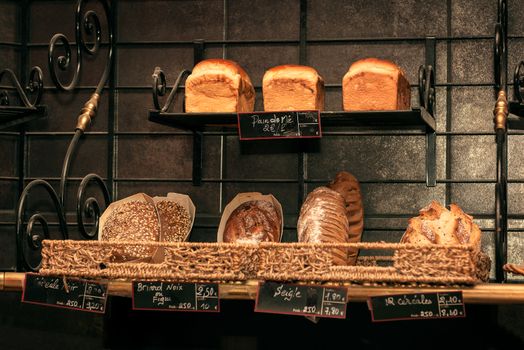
<point x="252" y="222"/>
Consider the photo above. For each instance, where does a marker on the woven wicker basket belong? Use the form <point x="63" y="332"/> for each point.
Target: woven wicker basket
<point x="312" y="262"/>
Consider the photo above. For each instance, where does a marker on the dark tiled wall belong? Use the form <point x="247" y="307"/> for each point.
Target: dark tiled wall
<point x="143" y="150"/>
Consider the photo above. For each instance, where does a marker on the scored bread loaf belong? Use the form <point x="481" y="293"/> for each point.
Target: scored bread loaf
<point x="375" y="84"/>
<point x="252" y="222"/>
<point x="218" y="85"/>
<point x="323" y="219"/>
<point x="292" y="87"/>
<point x="348" y="186"/>
<point x="438" y="225"/>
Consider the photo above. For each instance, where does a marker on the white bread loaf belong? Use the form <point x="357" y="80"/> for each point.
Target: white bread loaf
<point x="438" y="225"/>
<point x="323" y="219"/>
<point x="292" y="87"/>
<point x="218" y="85"/>
<point x="375" y="84"/>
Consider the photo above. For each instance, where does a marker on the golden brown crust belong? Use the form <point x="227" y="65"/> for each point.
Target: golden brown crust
<point x="253" y="221"/>
<point x="292" y="87"/>
<point x="375" y="84"/>
<point x="438" y="225"/>
<point x="220" y="63"/>
<point x="219" y="85"/>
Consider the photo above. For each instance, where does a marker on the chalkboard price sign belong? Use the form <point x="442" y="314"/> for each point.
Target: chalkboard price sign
<point x="172" y="296"/>
<point x="271" y="125"/>
<point x="417" y="306"/>
<point x="65" y="293"/>
<point x="291" y="299"/>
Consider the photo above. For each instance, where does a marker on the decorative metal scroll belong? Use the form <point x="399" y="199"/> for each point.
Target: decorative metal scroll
<point x="35" y="87"/>
<point x="87" y="24"/>
<point x="518" y="82"/>
<point x="159" y="88"/>
<point x="426" y="88"/>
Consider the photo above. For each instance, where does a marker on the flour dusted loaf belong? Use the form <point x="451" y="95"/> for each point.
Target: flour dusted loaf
<point x="218" y="85"/>
<point x="253" y="222"/>
<point x="323" y="219"/>
<point x="375" y="84"/>
<point x="438" y="225"/>
<point x="292" y="87"/>
<point x="348" y="187"/>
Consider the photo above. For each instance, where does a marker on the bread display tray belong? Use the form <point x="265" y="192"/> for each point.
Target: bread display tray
<point x="311" y="262"/>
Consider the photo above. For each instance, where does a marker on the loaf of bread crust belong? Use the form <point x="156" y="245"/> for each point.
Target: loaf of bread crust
<point x="375" y="84"/>
<point x="323" y="219"/>
<point x="218" y="85"/>
<point x="253" y="222"/>
<point x="292" y="87"/>
<point x="349" y="188"/>
<point x="438" y="225"/>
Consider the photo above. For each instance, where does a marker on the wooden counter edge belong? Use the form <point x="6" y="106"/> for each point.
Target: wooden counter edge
<point x="487" y="293"/>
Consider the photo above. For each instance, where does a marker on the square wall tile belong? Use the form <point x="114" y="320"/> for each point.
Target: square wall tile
<point x="9" y="12"/>
<point x="170" y="20"/>
<point x="473" y="157"/>
<point x="471" y="108"/>
<point x="169" y="156"/>
<point x="46" y="156"/>
<point x="384" y="18"/>
<point x="255" y="20"/>
<point x="472" y="61"/>
<point x="473" y="17"/>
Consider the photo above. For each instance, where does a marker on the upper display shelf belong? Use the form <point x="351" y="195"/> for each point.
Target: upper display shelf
<point x="414" y="118"/>
<point x="15" y="115"/>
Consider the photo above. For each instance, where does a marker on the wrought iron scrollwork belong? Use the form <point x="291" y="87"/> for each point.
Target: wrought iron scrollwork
<point x="160" y="88"/>
<point x="89" y="208"/>
<point x="518" y="82"/>
<point x="87" y="25"/>
<point x="35" y="87"/>
<point x="426" y="88"/>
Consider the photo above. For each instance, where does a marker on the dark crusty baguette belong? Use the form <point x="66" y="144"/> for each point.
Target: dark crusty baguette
<point x="347" y="185"/>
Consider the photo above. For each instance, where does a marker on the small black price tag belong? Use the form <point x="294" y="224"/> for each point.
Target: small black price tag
<point x="417" y="306"/>
<point x="172" y="296"/>
<point x="306" y="300"/>
<point x="271" y="125"/>
<point x="74" y="294"/>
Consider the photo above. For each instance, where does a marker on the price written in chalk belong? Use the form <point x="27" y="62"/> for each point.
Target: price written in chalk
<point x="417" y="306"/>
<point x="307" y="300"/>
<point x="65" y="293"/>
<point x="287" y="124"/>
<point x="169" y="296"/>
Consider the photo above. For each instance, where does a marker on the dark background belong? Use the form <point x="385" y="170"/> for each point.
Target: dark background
<point x="125" y="148"/>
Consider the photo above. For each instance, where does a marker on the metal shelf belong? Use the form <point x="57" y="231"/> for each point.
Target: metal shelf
<point x="486" y="293"/>
<point x="15" y="115"/>
<point x="414" y="118"/>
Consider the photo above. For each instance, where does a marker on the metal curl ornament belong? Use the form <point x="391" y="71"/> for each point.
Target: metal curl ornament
<point x="35" y="87"/>
<point x="87" y="24"/>
<point x="25" y="238"/>
<point x="426" y="88"/>
<point x="89" y="208"/>
<point x="159" y="88"/>
<point x="518" y="81"/>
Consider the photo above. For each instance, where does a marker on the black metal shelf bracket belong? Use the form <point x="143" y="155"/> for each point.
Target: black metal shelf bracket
<point x="29" y="99"/>
<point x="87" y="24"/>
<point x="427" y="99"/>
<point x="500" y="119"/>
